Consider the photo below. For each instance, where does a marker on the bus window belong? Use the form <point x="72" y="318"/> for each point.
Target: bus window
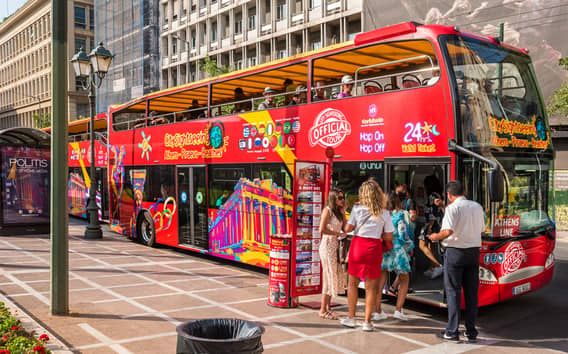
<point x="245" y="93"/>
<point x="183" y="105"/>
<point x="277" y="173"/>
<point x="128" y="118"/>
<point x="159" y="183"/>
<point x="377" y="68"/>
<point x="350" y="175"/>
<point x="222" y="182"/>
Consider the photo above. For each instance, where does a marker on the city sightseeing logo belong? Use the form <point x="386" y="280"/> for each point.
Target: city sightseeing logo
<point x="514" y="256"/>
<point x="330" y="128"/>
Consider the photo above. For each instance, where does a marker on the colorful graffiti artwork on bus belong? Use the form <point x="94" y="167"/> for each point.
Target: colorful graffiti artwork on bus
<point x="116" y="183"/>
<point x="241" y="228"/>
<point x="145" y="146"/>
<point x="162" y="212"/>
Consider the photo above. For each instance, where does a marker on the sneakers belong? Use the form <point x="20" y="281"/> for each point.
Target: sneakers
<point x="443" y="335"/>
<point x="469" y="338"/>
<point x="400" y="315"/>
<point x="436" y="272"/>
<point x="428" y="273"/>
<point x="367" y="327"/>
<point x="348" y="322"/>
<point x="375" y="316"/>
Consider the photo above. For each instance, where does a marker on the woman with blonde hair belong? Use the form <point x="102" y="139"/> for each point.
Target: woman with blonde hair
<point x="331" y="228"/>
<point x="372" y="226"/>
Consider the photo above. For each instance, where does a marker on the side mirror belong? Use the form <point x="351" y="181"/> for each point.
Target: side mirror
<point x="496" y="185"/>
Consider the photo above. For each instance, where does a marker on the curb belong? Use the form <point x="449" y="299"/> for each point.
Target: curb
<point x="29" y="324"/>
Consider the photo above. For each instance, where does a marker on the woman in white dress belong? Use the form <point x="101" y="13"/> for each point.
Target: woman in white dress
<point x="331" y="226"/>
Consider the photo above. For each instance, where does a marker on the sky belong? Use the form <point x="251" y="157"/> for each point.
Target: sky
<point x="8" y="7"/>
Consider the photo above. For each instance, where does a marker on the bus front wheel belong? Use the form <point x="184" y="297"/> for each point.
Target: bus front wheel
<point x="146" y="232"/>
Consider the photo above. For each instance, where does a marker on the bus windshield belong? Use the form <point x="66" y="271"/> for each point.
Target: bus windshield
<point x="499" y="104"/>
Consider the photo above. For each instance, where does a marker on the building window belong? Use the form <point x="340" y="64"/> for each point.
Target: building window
<point x="80" y="42"/>
<point x="252" y="22"/>
<point x="91" y="19"/>
<point x="314" y="4"/>
<point x="80" y="17"/>
<point x="280" y="12"/>
<point x="214" y="32"/>
<point x="238" y="27"/>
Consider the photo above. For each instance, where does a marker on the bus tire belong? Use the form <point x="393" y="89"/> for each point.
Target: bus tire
<point x="145" y="230"/>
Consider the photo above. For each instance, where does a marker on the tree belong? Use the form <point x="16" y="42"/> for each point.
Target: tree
<point x="558" y="102"/>
<point x="210" y="67"/>
<point x="42" y="120"/>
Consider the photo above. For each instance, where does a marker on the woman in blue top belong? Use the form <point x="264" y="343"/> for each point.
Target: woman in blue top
<point x="397" y="260"/>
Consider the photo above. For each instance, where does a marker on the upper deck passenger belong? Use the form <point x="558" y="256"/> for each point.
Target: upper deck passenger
<point x="346" y="86"/>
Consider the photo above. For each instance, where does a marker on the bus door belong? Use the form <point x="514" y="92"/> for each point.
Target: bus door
<point x="192" y="206"/>
<point x="424" y="180"/>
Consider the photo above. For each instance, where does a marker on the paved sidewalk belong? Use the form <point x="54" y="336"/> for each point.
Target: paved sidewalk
<point x="127" y="298"/>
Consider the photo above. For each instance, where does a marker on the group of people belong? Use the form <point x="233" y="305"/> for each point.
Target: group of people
<point x="382" y="242"/>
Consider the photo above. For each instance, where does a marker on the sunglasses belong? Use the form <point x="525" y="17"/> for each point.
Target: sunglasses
<point x="340" y="197"/>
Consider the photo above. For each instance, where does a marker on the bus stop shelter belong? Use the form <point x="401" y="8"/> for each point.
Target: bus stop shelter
<point x="24" y="181"/>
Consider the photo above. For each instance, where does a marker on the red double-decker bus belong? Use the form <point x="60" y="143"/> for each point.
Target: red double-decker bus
<point x="206" y="167"/>
<point x="79" y="162"/>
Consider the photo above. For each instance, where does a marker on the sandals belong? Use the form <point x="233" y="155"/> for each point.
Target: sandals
<point x="329" y="315"/>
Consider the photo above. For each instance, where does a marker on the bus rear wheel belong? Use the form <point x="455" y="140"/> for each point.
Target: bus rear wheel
<point x="146" y="232"/>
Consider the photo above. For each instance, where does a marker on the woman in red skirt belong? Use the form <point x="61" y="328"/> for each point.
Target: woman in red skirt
<point x="371" y="224"/>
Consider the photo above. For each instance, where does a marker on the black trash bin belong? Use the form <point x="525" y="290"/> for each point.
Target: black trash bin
<point x="219" y="336"/>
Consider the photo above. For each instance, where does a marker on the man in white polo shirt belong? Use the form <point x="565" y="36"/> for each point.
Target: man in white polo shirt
<point x="462" y="226"/>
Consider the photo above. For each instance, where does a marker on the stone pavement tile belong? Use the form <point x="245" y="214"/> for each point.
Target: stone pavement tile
<point x="506" y="347"/>
<point x="99" y="350"/>
<point x="232" y="295"/>
<point x="68" y="329"/>
<point x="142" y="290"/>
<point x="31" y="303"/>
<point x="361" y="342"/>
<point x="117" y="280"/>
<point x="169" y="275"/>
<point x="421" y="330"/>
<point x="274" y="335"/>
<point x="115" y="308"/>
<point x="193" y="265"/>
<point x="308" y="323"/>
<point x="40" y="286"/>
<point x="171" y="302"/>
<point x="12" y="289"/>
<point x="305" y="347"/>
<point x="97" y="272"/>
<point x="215" y="271"/>
<point x="145" y="269"/>
<point x="244" y="280"/>
<point x="193" y="284"/>
<point x="195" y="314"/>
<point x="132" y="327"/>
<point x="78" y="264"/>
<point x="33" y="275"/>
<point x="260" y="309"/>
<point x="77" y="284"/>
<point x="89" y="296"/>
<point x="166" y="344"/>
<point x="120" y="259"/>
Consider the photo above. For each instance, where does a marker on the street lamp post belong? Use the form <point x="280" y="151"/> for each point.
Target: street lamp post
<point x="188" y="46"/>
<point x="91" y="69"/>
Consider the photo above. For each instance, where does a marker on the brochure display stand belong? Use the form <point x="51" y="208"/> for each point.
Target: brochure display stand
<point x="280" y="272"/>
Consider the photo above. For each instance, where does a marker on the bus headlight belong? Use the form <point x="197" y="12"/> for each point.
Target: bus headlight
<point x="486" y="276"/>
<point x="549" y="261"/>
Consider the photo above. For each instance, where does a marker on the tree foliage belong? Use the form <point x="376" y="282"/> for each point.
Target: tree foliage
<point x="558" y="102"/>
<point x="42" y="120"/>
<point x="211" y="68"/>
